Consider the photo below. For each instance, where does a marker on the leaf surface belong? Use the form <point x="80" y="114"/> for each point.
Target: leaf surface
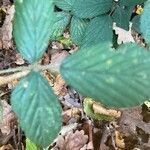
<point x="32" y="22"/>
<point x="91" y="8"/>
<point x="37" y="108"/>
<point x="98" y="30"/>
<point x="78" y="29"/>
<point x="115" y="78"/>
<point x="145" y="22"/>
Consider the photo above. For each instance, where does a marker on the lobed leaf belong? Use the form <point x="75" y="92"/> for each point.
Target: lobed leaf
<point x="32" y="22"/>
<point x="115" y="78"/>
<point x="37" y="108"/>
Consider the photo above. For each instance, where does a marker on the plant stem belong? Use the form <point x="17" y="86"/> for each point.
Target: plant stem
<point x="34" y="67"/>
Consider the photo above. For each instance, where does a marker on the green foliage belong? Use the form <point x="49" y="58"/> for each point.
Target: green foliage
<point x="78" y="29"/>
<point x="145" y="22"/>
<point x="62" y="19"/>
<point x="37" y="108"/>
<point x="115" y="78"/>
<point x="32" y="23"/>
<point x="89" y="9"/>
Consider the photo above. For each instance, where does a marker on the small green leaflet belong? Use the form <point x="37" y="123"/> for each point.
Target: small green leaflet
<point x="37" y="108"/>
<point x="78" y="29"/>
<point x="98" y="30"/>
<point x="91" y="8"/>
<point x="32" y="22"/>
<point x="115" y="78"/>
<point x="64" y="4"/>
<point x="60" y="23"/>
<point x="145" y="22"/>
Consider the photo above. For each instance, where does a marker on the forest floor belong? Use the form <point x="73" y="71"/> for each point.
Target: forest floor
<point x="131" y="131"/>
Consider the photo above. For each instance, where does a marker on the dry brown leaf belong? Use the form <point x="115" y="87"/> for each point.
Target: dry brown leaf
<point x="57" y="58"/>
<point x="72" y="141"/>
<point x="119" y="140"/>
<point x="7" y="147"/>
<point x="8" y="118"/>
<point x="98" y="109"/>
<point x="60" y="86"/>
<point x="7" y="29"/>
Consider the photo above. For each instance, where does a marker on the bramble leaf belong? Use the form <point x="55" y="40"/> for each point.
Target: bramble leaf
<point x="37" y="108"/>
<point x="115" y="78"/>
<point x="32" y="22"/>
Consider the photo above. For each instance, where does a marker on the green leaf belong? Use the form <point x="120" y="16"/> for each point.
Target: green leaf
<point x="136" y="23"/>
<point x="122" y="17"/>
<point x="60" y="23"/>
<point x="91" y="8"/>
<point x="30" y="145"/>
<point x="98" y="31"/>
<point x="78" y="29"/>
<point x="64" y="4"/>
<point x="131" y="2"/>
<point x="32" y="22"/>
<point x="37" y="108"/>
<point x="145" y="22"/>
<point x="115" y="78"/>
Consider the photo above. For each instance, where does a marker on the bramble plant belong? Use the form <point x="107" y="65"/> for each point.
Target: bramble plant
<point x="116" y="78"/>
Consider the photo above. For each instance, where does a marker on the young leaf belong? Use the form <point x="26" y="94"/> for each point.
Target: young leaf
<point x="78" y="29"/>
<point x="91" y="8"/>
<point x="115" y="78"/>
<point x="32" y="22"/>
<point x="145" y="22"/>
<point x="60" y="22"/>
<point x="98" y="31"/>
<point x="64" y="4"/>
<point x="37" y="108"/>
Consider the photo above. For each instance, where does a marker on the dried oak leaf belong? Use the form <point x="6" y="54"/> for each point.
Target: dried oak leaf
<point x="8" y="118"/>
<point x="72" y="141"/>
<point x="60" y="86"/>
<point x="7" y="29"/>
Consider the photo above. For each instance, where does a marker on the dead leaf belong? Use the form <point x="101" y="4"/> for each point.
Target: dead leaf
<point x="7" y="147"/>
<point x="72" y="141"/>
<point x="8" y="118"/>
<point x="7" y="29"/>
<point x="57" y="58"/>
<point x="119" y="140"/>
<point x="60" y="86"/>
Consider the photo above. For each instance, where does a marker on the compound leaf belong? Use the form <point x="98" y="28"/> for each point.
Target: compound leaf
<point x="32" y="22"/>
<point x="115" y="78"/>
<point x="37" y="108"/>
<point x="78" y="29"/>
<point x="98" y="31"/>
<point x="91" y="8"/>
<point x="145" y="22"/>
